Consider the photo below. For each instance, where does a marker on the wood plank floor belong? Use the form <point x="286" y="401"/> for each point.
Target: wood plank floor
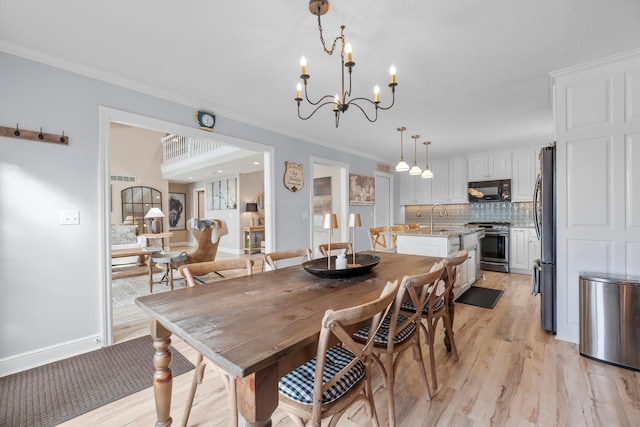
<point x="510" y="373"/>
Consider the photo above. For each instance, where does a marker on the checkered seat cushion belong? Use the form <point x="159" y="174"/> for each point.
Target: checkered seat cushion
<point x="408" y="305"/>
<point x="298" y="384"/>
<point x="383" y="332"/>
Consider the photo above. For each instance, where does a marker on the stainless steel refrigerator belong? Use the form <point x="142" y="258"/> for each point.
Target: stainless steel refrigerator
<point x="544" y="207"/>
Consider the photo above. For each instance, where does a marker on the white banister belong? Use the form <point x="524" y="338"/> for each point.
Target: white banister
<point x="176" y="148"/>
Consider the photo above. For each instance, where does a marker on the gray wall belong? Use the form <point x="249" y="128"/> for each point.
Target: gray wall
<point x="50" y="291"/>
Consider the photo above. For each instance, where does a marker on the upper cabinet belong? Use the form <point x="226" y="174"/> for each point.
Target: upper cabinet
<point x="450" y="181"/>
<point x="415" y="190"/>
<point x="483" y="167"/>
<point x="525" y="172"/>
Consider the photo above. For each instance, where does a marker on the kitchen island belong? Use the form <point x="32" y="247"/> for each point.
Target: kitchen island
<point x="444" y="242"/>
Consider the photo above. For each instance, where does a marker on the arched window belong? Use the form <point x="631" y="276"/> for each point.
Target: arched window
<point x="136" y="202"/>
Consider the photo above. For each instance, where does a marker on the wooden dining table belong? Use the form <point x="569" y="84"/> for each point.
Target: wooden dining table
<point x="258" y="328"/>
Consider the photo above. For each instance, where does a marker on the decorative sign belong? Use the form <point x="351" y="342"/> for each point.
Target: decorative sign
<point x="293" y="178"/>
<point x="383" y="167"/>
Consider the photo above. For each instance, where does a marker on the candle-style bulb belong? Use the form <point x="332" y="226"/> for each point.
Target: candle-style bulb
<point x="299" y="91"/>
<point x="392" y="72"/>
<point x="376" y="92"/>
<point x="303" y="64"/>
<point x="348" y="49"/>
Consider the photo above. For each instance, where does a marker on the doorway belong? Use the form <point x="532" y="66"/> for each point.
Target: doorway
<point x="107" y="116"/>
<point x="383" y="211"/>
<point x="330" y="195"/>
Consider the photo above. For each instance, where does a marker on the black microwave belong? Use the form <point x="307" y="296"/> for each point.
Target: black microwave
<point x="490" y="191"/>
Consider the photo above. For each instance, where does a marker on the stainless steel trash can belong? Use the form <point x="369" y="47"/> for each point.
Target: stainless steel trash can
<point x="610" y="318"/>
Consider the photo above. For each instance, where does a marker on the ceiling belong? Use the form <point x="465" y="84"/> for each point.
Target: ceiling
<point x="472" y="75"/>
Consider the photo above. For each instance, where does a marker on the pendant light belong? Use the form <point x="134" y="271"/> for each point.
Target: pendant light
<point x="427" y="173"/>
<point x="415" y="169"/>
<point x="402" y="166"/>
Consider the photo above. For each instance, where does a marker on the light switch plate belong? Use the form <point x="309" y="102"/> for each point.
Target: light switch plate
<point x="69" y="217"/>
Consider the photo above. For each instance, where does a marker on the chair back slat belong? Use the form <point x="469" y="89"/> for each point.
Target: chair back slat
<point x="345" y="247"/>
<point x="190" y="271"/>
<point x="271" y="258"/>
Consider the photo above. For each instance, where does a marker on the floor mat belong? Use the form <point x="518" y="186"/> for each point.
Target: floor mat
<point x="480" y="297"/>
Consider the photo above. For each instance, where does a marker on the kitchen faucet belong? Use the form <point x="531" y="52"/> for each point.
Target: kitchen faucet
<point x="431" y="219"/>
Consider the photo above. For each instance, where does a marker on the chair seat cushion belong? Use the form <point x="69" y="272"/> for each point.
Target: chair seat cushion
<point x="383" y="332"/>
<point x="298" y="384"/>
<point x="408" y="305"/>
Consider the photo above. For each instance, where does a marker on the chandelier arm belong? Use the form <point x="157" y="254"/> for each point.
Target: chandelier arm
<point x="319" y="100"/>
<point x="393" y="99"/>
<point x="314" y="111"/>
<point x="362" y="109"/>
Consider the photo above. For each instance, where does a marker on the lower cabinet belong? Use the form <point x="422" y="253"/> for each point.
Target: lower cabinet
<point x="524" y="250"/>
<point x="466" y="274"/>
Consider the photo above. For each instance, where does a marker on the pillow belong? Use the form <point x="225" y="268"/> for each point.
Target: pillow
<point x="124" y="234"/>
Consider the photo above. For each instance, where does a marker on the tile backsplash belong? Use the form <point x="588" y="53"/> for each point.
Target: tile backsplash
<point x="518" y="214"/>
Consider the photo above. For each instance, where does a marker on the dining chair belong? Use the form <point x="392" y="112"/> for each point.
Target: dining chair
<point x="435" y="308"/>
<point x="399" y="332"/>
<point x="413" y="226"/>
<point x="378" y="241"/>
<point x="190" y="272"/>
<point x="345" y="247"/>
<point x="398" y="228"/>
<point x="271" y="258"/>
<point x="340" y="375"/>
<point x="451" y="267"/>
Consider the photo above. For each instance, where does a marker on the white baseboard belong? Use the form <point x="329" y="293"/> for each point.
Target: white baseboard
<point x="24" y="361"/>
<point x="235" y="251"/>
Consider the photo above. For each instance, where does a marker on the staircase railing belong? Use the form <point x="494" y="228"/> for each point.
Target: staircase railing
<point x="176" y="148"/>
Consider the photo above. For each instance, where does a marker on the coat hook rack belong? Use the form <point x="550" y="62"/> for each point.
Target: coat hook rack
<point x="10" y="132"/>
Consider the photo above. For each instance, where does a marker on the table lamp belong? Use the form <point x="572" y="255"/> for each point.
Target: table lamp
<point x="155" y="214"/>
<point x="251" y="207"/>
<point x="329" y="221"/>
<point x="354" y="221"/>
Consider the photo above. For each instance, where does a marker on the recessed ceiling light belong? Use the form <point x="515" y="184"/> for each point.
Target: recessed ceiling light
<point x="220" y="171"/>
<point x="256" y="163"/>
<point x="190" y="178"/>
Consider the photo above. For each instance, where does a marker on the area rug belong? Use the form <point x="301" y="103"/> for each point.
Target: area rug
<point x="480" y="297"/>
<point x="51" y="394"/>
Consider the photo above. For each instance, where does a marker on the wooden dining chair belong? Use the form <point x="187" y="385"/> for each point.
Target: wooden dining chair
<point x="345" y="247"/>
<point x="378" y="241"/>
<point x="190" y="272"/>
<point x="451" y="267"/>
<point x="435" y="308"/>
<point x="338" y="376"/>
<point x="271" y="258"/>
<point x="398" y="228"/>
<point x="399" y="332"/>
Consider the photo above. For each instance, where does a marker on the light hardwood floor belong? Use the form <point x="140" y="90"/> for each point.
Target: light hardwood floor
<point x="510" y="373"/>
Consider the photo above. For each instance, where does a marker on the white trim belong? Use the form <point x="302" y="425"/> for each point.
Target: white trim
<point x="42" y="356"/>
<point x="108" y="115"/>
<point x="391" y="206"/>
<point x="630" y="54"/>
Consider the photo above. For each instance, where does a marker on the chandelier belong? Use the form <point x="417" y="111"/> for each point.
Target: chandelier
<point x="340" y="102"/>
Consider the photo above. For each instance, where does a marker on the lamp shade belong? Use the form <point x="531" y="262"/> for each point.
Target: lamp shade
<point x="330" y="220"/>
<point x="354" y="220"/>
<point x="251" y="207"/>
<point x="154" y="213"/>
<point x="427" y="173"/>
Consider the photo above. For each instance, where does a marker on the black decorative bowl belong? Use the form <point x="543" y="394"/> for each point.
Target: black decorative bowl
<point x="363" y="264"/>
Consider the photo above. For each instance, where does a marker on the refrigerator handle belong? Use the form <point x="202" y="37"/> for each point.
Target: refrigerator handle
<point x="536" y="195"/>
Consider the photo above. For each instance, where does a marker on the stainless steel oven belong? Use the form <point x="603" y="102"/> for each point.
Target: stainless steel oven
<point x="494" y="249"/>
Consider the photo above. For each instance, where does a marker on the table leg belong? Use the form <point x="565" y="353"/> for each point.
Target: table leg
<point x="162" y="378"/>
<point x="258" y="396"/>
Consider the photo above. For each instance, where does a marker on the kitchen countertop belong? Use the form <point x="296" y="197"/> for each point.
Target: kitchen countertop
<point x="437" y="232"/>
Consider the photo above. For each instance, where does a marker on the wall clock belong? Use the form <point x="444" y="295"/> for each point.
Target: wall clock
<point x="205" y="120"/>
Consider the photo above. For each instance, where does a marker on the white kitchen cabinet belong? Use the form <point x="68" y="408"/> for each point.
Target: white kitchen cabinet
<point x="415" y="190"/>
<point x="483" y="167"/>
<point x="524" y="249"/>
<point x="525" y="172"/>
<point x="450" y="181"/>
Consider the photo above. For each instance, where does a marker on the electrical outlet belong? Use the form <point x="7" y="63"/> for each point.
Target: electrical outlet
<point x="69" y="217"/>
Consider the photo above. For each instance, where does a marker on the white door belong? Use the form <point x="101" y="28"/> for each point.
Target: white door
<point x="383" y="211"/>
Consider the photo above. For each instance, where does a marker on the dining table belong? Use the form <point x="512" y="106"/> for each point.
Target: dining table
<point x="258" y="328"/>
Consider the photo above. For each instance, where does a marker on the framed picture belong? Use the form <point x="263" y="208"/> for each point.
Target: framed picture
<point x="177" y="212"/>
<point x="362" y="190"/>
<point x="222" y="194"/>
